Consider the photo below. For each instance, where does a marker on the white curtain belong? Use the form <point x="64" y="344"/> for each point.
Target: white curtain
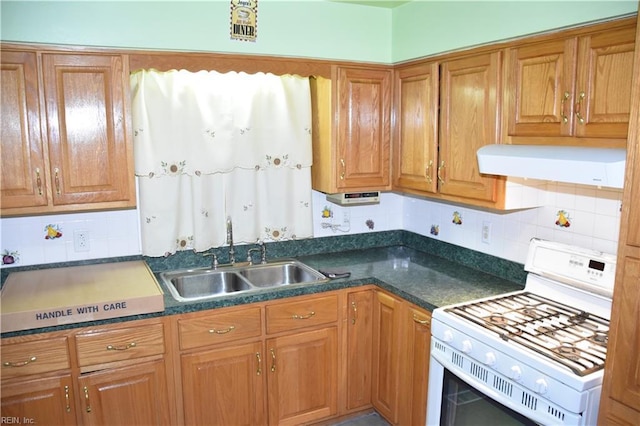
<point x="208" y="146"/>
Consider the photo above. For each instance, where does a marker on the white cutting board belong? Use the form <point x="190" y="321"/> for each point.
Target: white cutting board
<point x="50" y="297"/>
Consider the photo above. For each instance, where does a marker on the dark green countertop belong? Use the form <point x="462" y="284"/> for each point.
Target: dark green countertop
<point x="424" y="279"/>
<point x="424" y="271"/>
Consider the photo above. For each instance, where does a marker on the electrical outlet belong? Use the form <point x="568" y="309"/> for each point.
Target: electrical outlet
<point x="486" y="232"/>
<point x="81" y="240"/>
<point x="346" y="217"/>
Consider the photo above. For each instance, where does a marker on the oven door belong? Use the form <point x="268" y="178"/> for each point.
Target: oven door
<point x="453" y="401"/>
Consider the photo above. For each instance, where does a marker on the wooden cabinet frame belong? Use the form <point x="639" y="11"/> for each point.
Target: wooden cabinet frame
<point x="66" y="132"/>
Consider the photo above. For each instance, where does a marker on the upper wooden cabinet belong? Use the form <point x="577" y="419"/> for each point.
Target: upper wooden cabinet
<point x="65" y="133"/>
<point x="469" y="91"/>
<point x="572" y="87"/>
<point x="415" y="143"/>
<point x="23" y="171"/>
<point x="445" y="112"/>
<point x="352" y="130"/>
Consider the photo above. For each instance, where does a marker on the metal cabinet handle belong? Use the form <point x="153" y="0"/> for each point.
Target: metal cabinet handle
<point x="121" y="348"/>
<point x="309" y="315"/>
<point x="579" y="107"/>
<point x="38" y="181"/>
<point x="225" y="331"/>
<point x="565" y="97"/>
<point x="428" y="172"/>
<point x="273" y="360"/>
<point x="439" y="173"/>
<point x="19" y="363"/>
<point x="86" y="399"/>
<point x="344" y="169"/>
<point x="259" y="370"/>
<point x="56" y="179"/>
<point x="66" y="399"/>
<point x="354" y="308"/>
<point x="420" y="321"/>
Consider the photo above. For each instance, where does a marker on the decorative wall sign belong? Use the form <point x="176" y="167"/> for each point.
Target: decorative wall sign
<point x="244" y="20"/>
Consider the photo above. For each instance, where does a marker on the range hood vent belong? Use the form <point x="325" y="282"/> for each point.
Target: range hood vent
<point x="581" y="165"/>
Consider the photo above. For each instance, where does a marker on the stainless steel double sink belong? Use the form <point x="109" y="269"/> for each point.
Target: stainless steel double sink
<point x="203" y="283"/>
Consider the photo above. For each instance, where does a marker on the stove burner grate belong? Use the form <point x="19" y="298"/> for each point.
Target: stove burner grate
<point x="571" y="337"/>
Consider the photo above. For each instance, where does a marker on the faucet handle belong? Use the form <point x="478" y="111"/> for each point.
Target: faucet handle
<point x="214" y="261"/>
<point x="249" y="256"/>
<point x="263" y="252"/>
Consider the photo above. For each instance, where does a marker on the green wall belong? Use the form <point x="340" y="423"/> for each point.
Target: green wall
<point x="423" y="28"/>
<point x="301" y="28"/>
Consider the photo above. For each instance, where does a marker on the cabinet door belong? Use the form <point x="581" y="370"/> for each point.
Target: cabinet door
<point x="132" y="395"/>
<point x="225" y="386"/>
<point x="89" y="153"/>
<point x="359" y="347"/>
<point x="364" y="129"/>
<point x="603" y="89"/>
<point x="468" y="121"/>
<point x="46" y="401"/>
<point x="620" y="403"/>
<point x="21" y="150"/>
<point x="387" y="340"/>
<point x="415" y="377"/>
<point x="540" y="85"/>
<point x="303" y="376"/>
<point x="415" y="147"/>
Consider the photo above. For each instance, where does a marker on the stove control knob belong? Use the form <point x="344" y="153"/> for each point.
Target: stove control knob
<point x="490" y="358"/>
<point x="447" y="336"/>
<point x="541" y="386"/>
<point x="515" y="373"/>
<point x="466" y="346"/>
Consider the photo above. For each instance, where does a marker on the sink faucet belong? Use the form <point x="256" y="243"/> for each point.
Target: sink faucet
<point x="232" y="251"/>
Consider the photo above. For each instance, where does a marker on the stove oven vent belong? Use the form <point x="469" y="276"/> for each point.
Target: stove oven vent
<point x="529" y="401"/>
<point x="457" y="359"/>
<point x="503" y="386"/>
<point x="479" y="372"/>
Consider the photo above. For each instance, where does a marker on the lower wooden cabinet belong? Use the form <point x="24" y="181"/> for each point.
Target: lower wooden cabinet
<point x="387" y="338"/>
<point x="135" y="395"/>
<point x="359" y="325"/>
<point x="414" y="382"/>
<point x="243" y="373"/>
<point x="106" y="375"/>
<point x="402" y="338"/>
<point x="303" y="376"/>
<point x="225" y="386"/>
<point x="40" y="401"/>
<point x="299" y="360"/>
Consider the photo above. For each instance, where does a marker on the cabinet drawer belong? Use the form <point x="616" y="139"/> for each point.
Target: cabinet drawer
<point x="39" y="356"/>
<point x="300" y="314"/>
<point x="219" y="328"/>
<point x="119" y="345"/>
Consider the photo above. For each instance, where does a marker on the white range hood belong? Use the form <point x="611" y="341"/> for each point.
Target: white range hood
<point x="581" y="165"/>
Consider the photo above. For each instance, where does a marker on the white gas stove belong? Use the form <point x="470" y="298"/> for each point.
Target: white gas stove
<point x="537" y="355"/>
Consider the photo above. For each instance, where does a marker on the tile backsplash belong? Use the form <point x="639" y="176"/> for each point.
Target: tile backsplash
<point x="575" y="214"/>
